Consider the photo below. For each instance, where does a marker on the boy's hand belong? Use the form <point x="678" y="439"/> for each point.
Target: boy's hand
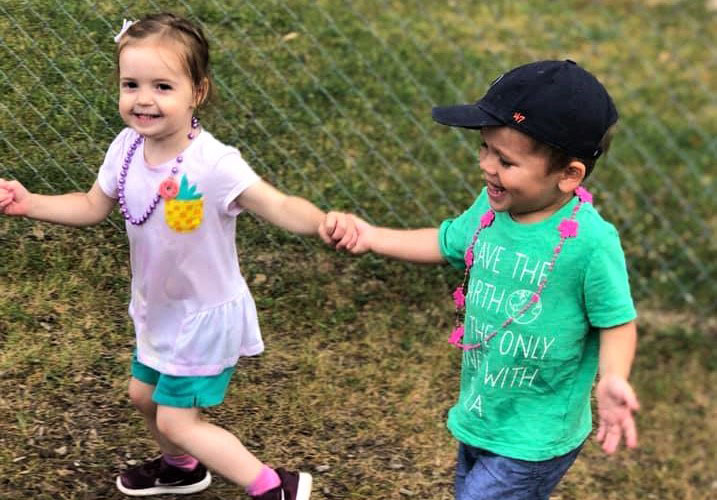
<point x="364" y="231"/>
<point x="616" y="403"/>
<point x="338" y="230"/>
<point x="14" y="198"/>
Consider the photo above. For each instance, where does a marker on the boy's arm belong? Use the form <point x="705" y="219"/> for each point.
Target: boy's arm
<point x="415" y="245"/>
<point x="297" y="214"/>
<point x="71" y="209"/>
<point x="615" y="397"/>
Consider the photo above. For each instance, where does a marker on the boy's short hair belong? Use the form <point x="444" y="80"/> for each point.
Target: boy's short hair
<point x="557" y="159"/>
<point x="556" y="103"/>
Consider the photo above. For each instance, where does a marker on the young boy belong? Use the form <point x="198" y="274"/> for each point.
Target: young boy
<point x="545" y="303"/>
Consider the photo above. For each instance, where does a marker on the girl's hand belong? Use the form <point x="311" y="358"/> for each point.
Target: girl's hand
<point x="338" y="230"/>
<point x="616" y="403"/>
<point x="14" y="198"/>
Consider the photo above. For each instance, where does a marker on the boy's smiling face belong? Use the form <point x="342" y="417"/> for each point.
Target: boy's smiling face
<point x="517" y="178"/>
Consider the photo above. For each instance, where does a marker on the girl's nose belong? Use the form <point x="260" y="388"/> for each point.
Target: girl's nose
<point x="144" y="96"/>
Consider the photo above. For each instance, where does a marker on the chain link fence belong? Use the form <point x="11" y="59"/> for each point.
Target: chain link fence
<point x="332" y="100"/>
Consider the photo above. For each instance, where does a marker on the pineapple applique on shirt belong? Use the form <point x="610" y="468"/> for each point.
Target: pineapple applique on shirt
<point x="183" y="213"/>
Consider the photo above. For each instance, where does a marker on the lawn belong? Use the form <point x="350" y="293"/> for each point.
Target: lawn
<point x="331" y="100"/>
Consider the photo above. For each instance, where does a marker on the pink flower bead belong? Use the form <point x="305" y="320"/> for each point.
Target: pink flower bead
<point x="459" y="297"/>
<point x="568" y="228"/>
<point x="487" y="219"/>
<point x="456" y="335"/>
<point x="469" y="257"/>
<point x="584" y="195"/>
<point x="168" y="189"/>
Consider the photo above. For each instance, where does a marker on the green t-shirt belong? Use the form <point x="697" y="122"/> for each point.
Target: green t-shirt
<point x="527" y="394"/>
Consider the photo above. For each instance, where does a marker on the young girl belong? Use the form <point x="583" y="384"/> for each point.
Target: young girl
<point x="545" y="299"/>
<point x="180" y="190"/>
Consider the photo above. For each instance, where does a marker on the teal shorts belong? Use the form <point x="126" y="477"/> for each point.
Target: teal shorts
<point x="183" y="392"/>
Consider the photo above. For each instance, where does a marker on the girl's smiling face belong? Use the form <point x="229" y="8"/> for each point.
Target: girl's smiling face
<point x="157" y="98"/>
<point x="517" y="177"/>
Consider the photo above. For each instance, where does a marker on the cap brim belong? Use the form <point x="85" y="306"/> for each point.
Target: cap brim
<point x="464" y="115"/>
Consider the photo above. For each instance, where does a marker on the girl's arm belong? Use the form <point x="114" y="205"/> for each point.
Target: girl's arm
<point x="72" y="209"/>
<point x="297" y="215"/>
<point x="415" y="245"/>
<point x="615" y="397"/>
<point x="289" y="212"/>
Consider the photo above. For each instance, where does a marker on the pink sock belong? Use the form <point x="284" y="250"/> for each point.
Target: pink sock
<point x="267" y="480"/>
<point x="184" y="462"/>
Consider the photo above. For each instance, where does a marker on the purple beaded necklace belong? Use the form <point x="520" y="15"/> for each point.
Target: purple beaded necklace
<point x="167" y="189"/>
<point x="568" y="228"/>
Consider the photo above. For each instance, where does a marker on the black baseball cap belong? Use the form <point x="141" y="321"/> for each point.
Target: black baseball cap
<point x="555" y="102"/>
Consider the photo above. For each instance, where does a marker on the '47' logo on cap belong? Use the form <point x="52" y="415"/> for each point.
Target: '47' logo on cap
<point x="518" y="117"/>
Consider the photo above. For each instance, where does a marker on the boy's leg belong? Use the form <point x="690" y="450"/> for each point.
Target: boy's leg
<point x="465" y="461"/>
<point x="494" y="477"/>
<point x="554" y="470"/>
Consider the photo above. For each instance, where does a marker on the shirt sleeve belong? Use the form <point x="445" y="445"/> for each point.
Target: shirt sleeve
<point x="234" y="176"/>
<point x="607" y="288"/>
<point x="108" y="174"/>
<point x="454" y="235"/>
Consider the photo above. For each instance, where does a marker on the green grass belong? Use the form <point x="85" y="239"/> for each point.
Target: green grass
<point x="356" y="375"/>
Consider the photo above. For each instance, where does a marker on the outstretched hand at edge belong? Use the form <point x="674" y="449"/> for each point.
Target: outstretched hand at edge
<point x="616" y="403"/>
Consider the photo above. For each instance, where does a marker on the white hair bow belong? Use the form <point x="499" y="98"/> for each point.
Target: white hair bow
<point x="126" y="23"/>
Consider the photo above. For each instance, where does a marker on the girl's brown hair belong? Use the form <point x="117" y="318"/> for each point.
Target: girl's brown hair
<point x="188" y="35"/>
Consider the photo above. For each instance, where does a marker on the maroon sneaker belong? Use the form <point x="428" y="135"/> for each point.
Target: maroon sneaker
<point x="157" y="477"/>
<point x="294" y="486"/>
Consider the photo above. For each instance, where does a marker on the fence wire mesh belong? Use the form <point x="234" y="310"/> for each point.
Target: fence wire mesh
<point x="331" y="100"/>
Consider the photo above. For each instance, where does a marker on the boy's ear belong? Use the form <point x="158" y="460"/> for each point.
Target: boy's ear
<point x="572" y="176"/>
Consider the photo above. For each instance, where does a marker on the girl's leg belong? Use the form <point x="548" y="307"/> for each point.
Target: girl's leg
<point x="213" y="446"/>
<point x="140" y="394"/>
<point x="174" y="472"/>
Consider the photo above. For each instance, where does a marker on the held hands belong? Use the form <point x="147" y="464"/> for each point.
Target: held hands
<point x="14" y="198"/>
<point x="616" y="403"/>
<point x="364" y="233"/>
<point x="346" y="232"/>
<point x="338" y="230"/>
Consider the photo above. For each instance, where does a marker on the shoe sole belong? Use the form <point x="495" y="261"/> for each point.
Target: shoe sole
<point x="164" y="490"/>
<point x="303" y="489"/>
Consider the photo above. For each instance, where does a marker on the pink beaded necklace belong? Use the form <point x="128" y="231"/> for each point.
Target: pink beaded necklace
<point x="167" y="189"/>
<point x="568" y="228"/>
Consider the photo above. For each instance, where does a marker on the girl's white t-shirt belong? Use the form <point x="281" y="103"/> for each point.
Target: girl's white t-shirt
<point x="192" y="310"/>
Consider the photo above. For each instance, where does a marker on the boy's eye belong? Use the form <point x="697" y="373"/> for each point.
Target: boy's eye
<point x="164" y="86"/>
<point x="504" y="162"/>
<point x="129" y="85"/>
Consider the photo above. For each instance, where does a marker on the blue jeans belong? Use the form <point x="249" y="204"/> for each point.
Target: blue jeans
<point x="482" y="475"/>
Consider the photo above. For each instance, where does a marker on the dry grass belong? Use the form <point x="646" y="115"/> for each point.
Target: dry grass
<point x="356" y="380"/>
